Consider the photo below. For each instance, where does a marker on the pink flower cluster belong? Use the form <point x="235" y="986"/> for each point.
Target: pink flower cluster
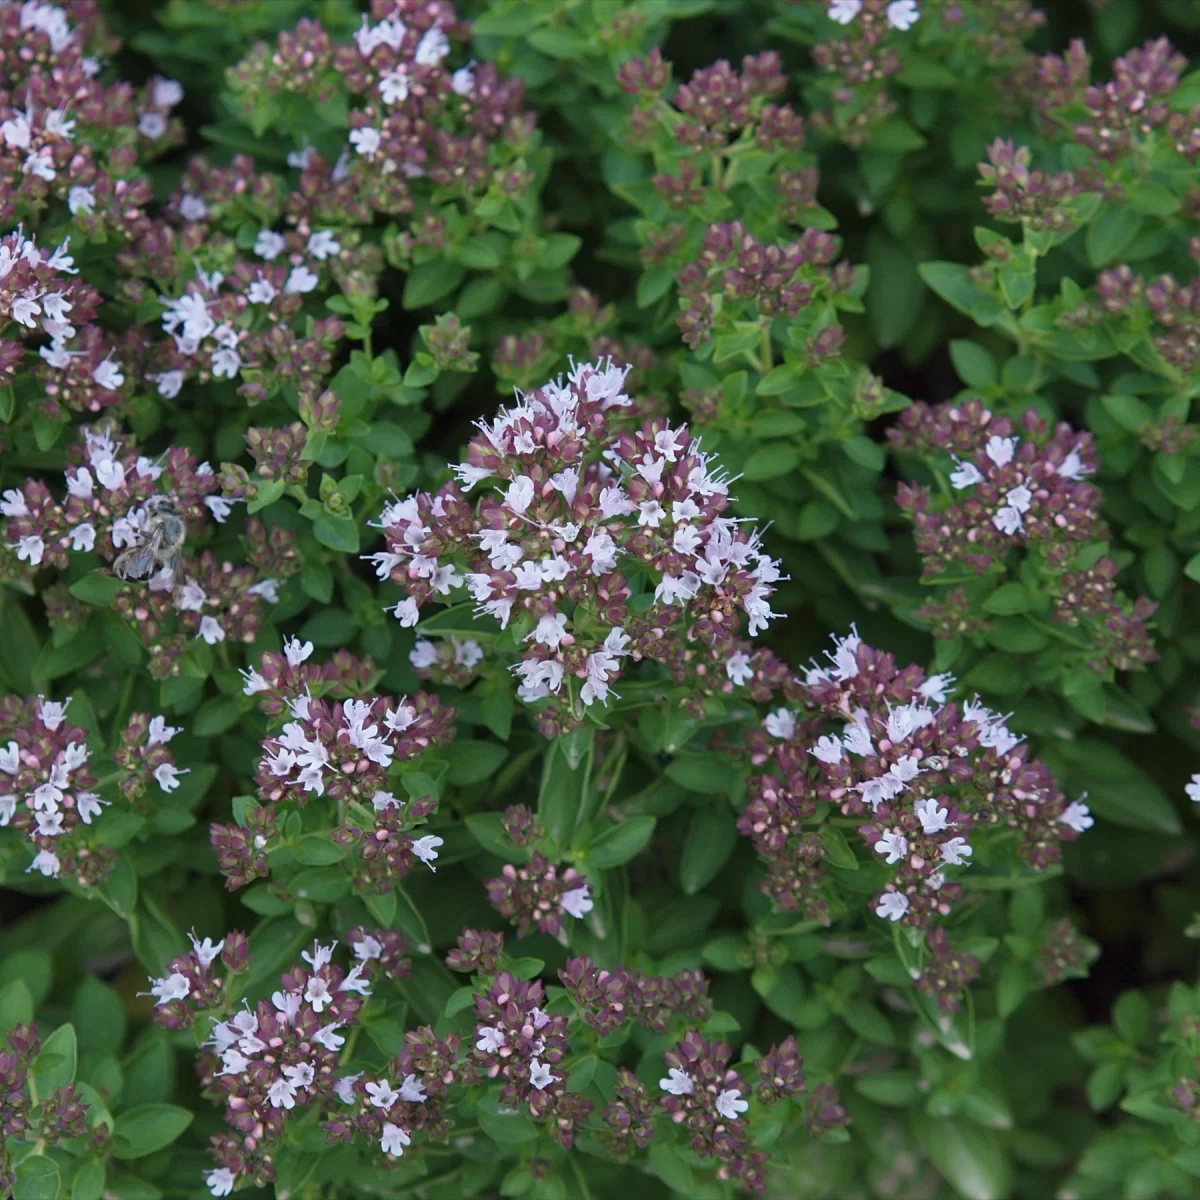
<point x="1016" y="490"/>
<point x="413" y="118"/>
<point x="517" y="1041"/>
<point x="883" y="746"/>
<point x="343" y="748"/>
<point x="48" y="788"/>
<point x="579" y="511"/>
<point x="265" y="1063"/>
<point x="55" y="115"/>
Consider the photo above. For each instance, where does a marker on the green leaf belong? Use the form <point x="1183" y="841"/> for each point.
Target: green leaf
<point x="896" y="1089"/>
<point x="338" y="533"/>
<point x="316" y="850"/>
<point x="215" y="716"/>
<point x="429" y="282"/>
<point x="769" y="462"/>
<point x="1007" y="599"/>
<point x="619" y="843"/>
<point x="669" y="1165"/>
<point x="16" y="1005"/>
<point x="509" y="1129"/>
<point x="868" y="1022"/>
<point x="148" y="1128"/>
<point x="970" y="1157"/>
<point x="472" y="761"/>
<point x="837" y="849"/>
<point x="54" y="1067"/>
<point x="1192" y="569"/>
<point x="37" y="1178"/>
<point x="88" y="1183"/>
<point x="710" y="840"/>
<point x="559" y="42"/>
<point x="951" y="281"/>
<point x="1110" y="233"/>
<point x="1118" y="789"/>
<point x="98" y="1014"/>
<point x="975" y="366"/>
<point x="562" y="796"/>
<point x="96" y="589"/>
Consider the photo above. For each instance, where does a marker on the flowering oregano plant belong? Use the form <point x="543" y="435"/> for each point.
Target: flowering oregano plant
<point x="574" y="624"/>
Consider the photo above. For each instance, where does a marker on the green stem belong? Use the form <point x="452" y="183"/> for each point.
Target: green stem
<point x="584" y="1190"/>
<point x="122" y="713"/>
<point x="764" y="349"/>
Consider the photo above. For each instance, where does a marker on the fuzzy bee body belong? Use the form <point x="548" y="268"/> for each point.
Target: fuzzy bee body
<point x="160" y="541"/>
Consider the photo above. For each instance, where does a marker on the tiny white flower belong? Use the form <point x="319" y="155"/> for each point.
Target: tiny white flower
<point x="738" y="668"/>
<point x="167" y="776"/>
<point x="300" y="281"/>
<point x="412" y="1090"/>
<point x="540" y="1075"/>
<point x="393" y="85"/>
<point x="323" y="245"/>
<point x="174" y="987"/>
<point x="108" y="375"/>
<point x="393" y="1139"/>
<point x="966" y="475"/>
<point x="955" y="852"/>
<point x="828" y="750"/>
<point x="366" y="141"/>
<point x="152" y="125"/>
<point x="780" y="724"/>
<point x="489" y="1040"/>
<point x="192" y="208"/>
<point x="578" y="902"/>
<point x="425" y="848"/>
<point x="902" y="14"/>
<point x="296" y="651"/>
<point x="893" y="845"/>
<point x="268" y="244"/>
<point x="1078" y="816"/>
<point x="677" y="1082"/>
<point x="730" y="1104"/>
<point x="30" y="549"/>
<point x="1007" y="520"/>
<point x="1191" y="789"/>
<point x="210" y="631"/>
<point x="844" y="11"/>
<point x="892" y="906"/>
<point x="381" y="1095"/>
<point x="166" y="93"/>
<point x="220" y="1181"/>
<point x="933" y="818"/>
<point x="46" y="863"/>
<point x="1020" y="498"/>
<point x="1072" y="467"/>
<point x="1000" y="449"/>
<point x="432" y="47"/>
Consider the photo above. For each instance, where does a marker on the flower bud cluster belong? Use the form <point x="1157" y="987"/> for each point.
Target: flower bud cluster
<point x="387" y="1116"/>
<point x="343" y="748"/>
<point x="947" y="971"/>
<point x="415" y="122"/>
<point x="884" y="746"/>
<point x="55" y="116"/>
<point x="534" y="895"/>
<point x="740" y="276"/>
<point x="707" y="1098"/>
<point x="581" y="511"/>
<point x="191" y="985"/>
<point x="1174" y="309"/>
<point x="608" y="998"/>
<point x="1123" y="113"/>
<point x="1065" y="953"/>
<point x="48" y="790"/>
<point x="516" y="1041"/>
<point x="265" y="1063"/>
<point x="1016" y="490"/>
<point x="859" y="62"/>
<point x="1030" y="197"/>
<point x="51" y="1119"/>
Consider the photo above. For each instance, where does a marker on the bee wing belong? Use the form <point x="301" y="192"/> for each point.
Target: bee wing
<point x="139" y="561"/>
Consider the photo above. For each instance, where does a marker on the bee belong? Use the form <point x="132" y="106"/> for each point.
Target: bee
<point x="159" y="543"/>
